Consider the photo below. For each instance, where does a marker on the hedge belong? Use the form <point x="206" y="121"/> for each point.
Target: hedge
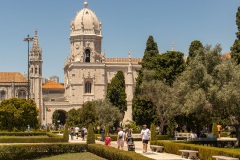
<point x="33" y="151"/>
<point x="52" y="138"/>
<point x="22" y="133"/>
<point x="112" y="153"/>
<point x="205" y="152"/>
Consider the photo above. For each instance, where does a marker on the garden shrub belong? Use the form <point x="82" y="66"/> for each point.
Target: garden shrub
<point x="17" y="138"/>
<point x="111" y="153"/>
<point x="66" y="133"/>
<point x="163" y="137"/>
<point x="205" y="152"/>
<point x="90" y="136"/>
<point x="33" y="151"/>
<point x="153" y="132"/>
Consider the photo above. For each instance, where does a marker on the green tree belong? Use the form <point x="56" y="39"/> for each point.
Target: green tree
<point x="116" y="92"/>
<point x="16" y="114"/>
<point x="88" y="114"/>
<point x="143" y="112"/>
<point x="162" y="96"/>
<point x="193" y="87"/>
<point x="73" y="117"/>
<point x="90" y="136"/>
<point x="171" y="65"/>
<point x="235" y="49"/>
<point x="225" y="94"/>
<point x="55" y="119"/>
<point x="194" y="46"/>
<point x="107" y="113"/>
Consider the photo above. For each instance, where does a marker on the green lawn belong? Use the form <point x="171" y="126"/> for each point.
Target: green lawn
<point x="74" y="156"/>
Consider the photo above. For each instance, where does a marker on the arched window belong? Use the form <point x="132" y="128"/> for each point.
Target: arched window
<point x="88" y="87"/>
<point x="2" y="95"/>
<point x="22" y="94"/>
<point x="87" y="55"/>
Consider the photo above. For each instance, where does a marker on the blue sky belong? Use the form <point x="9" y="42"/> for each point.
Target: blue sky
<point x="126" y="25"/>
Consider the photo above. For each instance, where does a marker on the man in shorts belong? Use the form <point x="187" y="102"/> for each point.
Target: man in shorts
<point x="145" y="133"/>
<point x="120" y="138"/>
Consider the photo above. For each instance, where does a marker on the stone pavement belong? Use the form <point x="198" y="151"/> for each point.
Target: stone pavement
<point x="138" y="149"/>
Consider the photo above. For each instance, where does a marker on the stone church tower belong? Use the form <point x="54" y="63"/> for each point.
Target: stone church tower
<point x="86" y="71"/>
<point x="35" y="67"/>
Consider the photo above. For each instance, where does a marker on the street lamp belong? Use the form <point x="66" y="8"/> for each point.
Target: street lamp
<point x="28" y="39"/>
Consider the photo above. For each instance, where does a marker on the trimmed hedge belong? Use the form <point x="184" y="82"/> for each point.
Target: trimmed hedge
<point x="22" y="133"/>
<point x="111" y="153"/>
<point x="163" y="137"/>
<point x="33" y="151"/>
<point x="52" y="138"/>
<point x="205" y="152"/>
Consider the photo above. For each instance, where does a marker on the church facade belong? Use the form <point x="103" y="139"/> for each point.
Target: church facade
<point x="87" y="72"/>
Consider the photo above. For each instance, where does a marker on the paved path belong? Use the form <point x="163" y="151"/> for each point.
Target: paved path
<point x="138" y="149"/>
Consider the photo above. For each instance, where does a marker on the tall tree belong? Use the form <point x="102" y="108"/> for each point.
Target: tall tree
<point x="225" y="94"/>
<point x="88" y="114"/>
<point x="16" y="114"/>
<point x="143" y="112"/>
<point x="171" y="65"/>
<point x="193" y="48"/>
<point x="73" y="117"/>
<point x="107" y="113"/>
<point x="235" y="49"/>
<point x="163" y="98"/>
<point x="116" y="92"/>
<point x="194" y="86"/>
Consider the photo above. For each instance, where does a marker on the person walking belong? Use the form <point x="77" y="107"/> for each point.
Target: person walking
<point x="76" y="131"/>
<point x="219" y="127"/>
<point x="145" y="133"/>
<point x="71" y="133"/>
<point x="120" y="138"/>
<point x="83" y="133"/>
<point x="108" y="140"/>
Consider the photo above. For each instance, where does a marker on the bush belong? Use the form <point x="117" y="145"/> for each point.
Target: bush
<point x="106" y="130"/>
<point x="27" y="138"/>
<point x="163" y="137"/>
<point x="205" y="152"/>
<point x="22" y="133"/>
<point x="153" y="132"/>
<point x="111" y="153"/>
<point x="214" y="130"/>
<point x="66" y="133"/>
<point x="22" y="152"/>
<point x="90" y="136"/>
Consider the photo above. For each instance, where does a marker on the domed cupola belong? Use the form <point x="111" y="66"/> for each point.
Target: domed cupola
<point x="86" y="23"/>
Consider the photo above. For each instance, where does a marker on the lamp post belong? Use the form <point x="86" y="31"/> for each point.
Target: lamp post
<point x="28" y="39"/>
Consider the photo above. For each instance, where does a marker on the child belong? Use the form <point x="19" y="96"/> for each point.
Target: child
<point x="107" y="140"/>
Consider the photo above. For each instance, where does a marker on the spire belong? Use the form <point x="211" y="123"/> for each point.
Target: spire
<point x="85" y="4"/>
<point x="173" y="46"/>
<point x="36" y="47"/>
<point x="130" y="57"/>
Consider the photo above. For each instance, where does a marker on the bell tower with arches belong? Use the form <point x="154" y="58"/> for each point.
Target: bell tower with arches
<point x="35" y="71"/>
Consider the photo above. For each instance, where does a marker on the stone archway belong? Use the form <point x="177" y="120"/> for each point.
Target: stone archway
<point x="62" y="115"/>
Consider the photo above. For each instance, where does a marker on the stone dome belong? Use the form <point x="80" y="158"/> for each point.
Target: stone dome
<point x="86" y="21"/>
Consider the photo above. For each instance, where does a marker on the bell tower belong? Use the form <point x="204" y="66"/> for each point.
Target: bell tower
<point x="35" y="67"/>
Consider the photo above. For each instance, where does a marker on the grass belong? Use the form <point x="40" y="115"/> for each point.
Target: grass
<point x="74" y="156"/>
